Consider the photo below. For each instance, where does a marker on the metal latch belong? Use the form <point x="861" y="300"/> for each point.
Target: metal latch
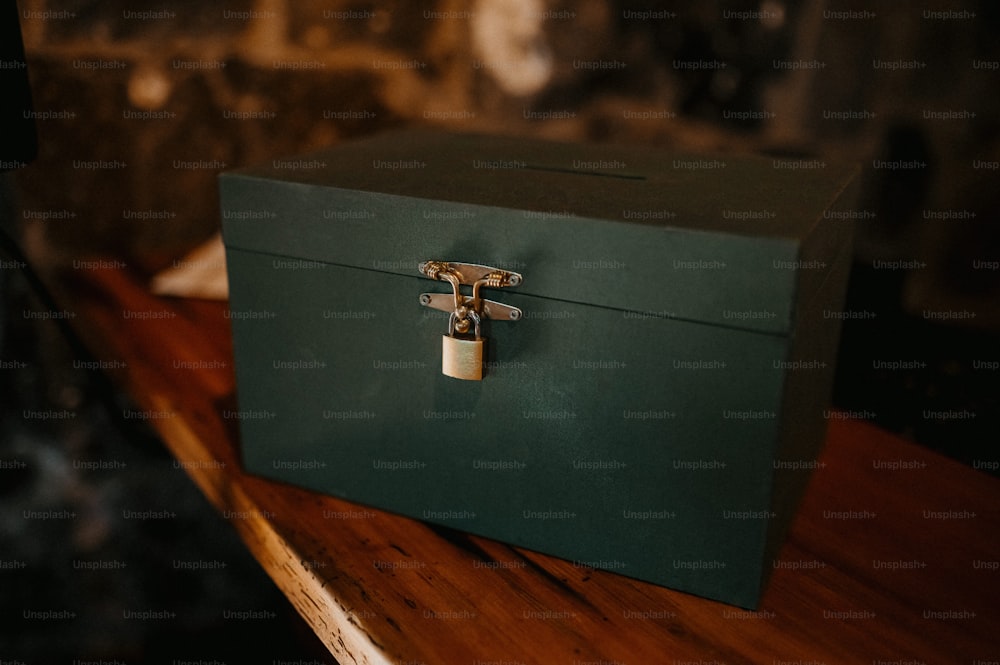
<point x="462" y="352"/>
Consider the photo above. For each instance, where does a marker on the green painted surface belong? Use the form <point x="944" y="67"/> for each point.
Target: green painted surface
<point x="602" y="433"/>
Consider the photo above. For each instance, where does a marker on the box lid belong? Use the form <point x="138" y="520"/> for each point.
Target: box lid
<point x="727" y="240"/>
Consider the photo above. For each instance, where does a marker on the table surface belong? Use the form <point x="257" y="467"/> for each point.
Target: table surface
<point x="892" y="558"/>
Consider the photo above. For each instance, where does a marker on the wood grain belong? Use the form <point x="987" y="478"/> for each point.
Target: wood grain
<point x="892" y="558"/>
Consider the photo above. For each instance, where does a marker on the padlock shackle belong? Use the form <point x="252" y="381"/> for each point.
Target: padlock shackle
<point x="471" y="314"/>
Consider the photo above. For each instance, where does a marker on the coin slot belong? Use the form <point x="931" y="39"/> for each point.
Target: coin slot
<point x="603" y="174"/>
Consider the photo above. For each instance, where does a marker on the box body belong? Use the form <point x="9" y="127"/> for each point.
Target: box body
<point x="655" y="411"/>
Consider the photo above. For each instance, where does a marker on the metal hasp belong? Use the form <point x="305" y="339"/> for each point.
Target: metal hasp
<point x="462" y="353"/>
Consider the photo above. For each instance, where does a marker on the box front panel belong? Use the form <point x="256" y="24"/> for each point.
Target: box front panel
<point x="630" y="442"/>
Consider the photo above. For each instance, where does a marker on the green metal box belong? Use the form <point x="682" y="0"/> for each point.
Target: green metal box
<point x="656" y="409"/>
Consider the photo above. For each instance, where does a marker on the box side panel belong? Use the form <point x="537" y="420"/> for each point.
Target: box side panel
<point x="821" y="271"/>
<point x="809" y="370"/>
<point x="634" y="443"/>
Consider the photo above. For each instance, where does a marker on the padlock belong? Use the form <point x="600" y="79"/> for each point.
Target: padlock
<point x="462" y="354"/>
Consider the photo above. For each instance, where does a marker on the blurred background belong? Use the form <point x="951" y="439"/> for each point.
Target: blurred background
<point x="137" y="109"/>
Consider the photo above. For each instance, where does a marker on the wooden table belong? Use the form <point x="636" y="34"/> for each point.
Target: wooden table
<point x="893" y="557"/>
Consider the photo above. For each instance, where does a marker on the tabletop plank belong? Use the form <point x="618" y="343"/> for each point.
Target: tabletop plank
<point x="892" y="557"/>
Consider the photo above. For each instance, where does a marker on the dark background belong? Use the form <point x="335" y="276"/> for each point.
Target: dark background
<point x="176" y="77"/>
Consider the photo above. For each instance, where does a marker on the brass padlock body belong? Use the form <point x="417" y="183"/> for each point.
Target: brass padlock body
<point x="462" y="357"/>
